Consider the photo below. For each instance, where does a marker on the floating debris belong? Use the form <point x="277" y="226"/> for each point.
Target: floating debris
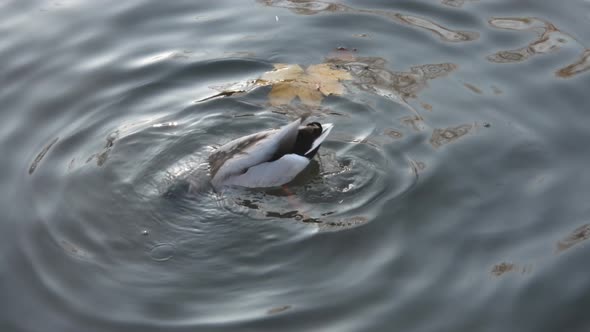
<point x="579" y="234"/>
<point x="278" y="310"/>
<point x="549" y="39"/>
<point x="230" y="90"/>
<point x="473" y="88"/>
<point x="414" y="121"/>
<point x="442" y="32"/>
<point x="502" y="268"/>
<point x="453" y="3"/>
<point x="426" y="106"/>
<point x="510" y="56"/>
<point x="343" y="223"/>
<point x="101" y="158"/>
<point x="290" y="81"/>
<point x="41" y="154"/>
<point x="393" y="133"/>
<point x="370" y="74"/>
<point x="578" y="67"/>
<point x="309" y="85"/>
<point x="444" y="136"/>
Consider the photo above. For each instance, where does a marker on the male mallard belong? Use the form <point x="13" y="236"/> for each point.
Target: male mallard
<point x="269" y="158"/>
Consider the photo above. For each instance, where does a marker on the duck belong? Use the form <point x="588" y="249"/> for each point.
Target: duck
<point x="269" y="158"/>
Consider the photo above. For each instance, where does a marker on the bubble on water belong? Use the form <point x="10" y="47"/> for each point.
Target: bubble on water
<point x="162" y="252"/>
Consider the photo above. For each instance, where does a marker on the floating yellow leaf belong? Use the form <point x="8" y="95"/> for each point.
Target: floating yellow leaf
<point x="311" y="85"/>
<point x="282" y="72"/>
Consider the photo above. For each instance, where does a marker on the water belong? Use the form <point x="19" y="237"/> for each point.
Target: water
<point x="451" y="195"/>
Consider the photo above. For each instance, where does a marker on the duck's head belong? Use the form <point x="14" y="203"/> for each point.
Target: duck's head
<point x="315" y="129"/>
<point x="306" y="136"/>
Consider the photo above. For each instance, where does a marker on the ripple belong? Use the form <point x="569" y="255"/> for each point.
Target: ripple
<point x="351" y="181"/>
<point x="118" y="229"/>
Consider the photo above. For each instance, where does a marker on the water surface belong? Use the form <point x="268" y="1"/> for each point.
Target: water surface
<point x="451" y="195"/>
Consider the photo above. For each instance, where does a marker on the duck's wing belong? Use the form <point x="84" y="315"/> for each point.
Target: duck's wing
<point x="327" y="128"/>
<point x="271" y="174"/>
<point x="239" y="155"/>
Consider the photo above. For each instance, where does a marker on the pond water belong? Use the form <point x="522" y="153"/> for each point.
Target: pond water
<point x="450" y="196"/>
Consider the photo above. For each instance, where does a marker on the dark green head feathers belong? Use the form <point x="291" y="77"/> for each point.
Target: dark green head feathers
<point x="305" y="138"/>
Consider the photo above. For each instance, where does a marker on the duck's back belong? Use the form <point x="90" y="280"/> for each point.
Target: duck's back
<point x="237" y="156"/>
<point x="238" y="148"/>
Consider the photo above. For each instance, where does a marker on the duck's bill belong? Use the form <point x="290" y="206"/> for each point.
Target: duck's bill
<point x="326" y="129"/>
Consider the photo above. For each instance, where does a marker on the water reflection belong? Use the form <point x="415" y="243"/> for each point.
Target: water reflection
<point x="549" y="39"/>
<point x="445" y="34"/>
<point x="311" y="7"/>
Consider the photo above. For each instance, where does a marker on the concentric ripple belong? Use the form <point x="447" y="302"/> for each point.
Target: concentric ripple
<point x="344" y="188"/>
<point x="128" y="200"/>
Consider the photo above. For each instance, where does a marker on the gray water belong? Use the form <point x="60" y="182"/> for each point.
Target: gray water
<point x="451" y="195"/>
